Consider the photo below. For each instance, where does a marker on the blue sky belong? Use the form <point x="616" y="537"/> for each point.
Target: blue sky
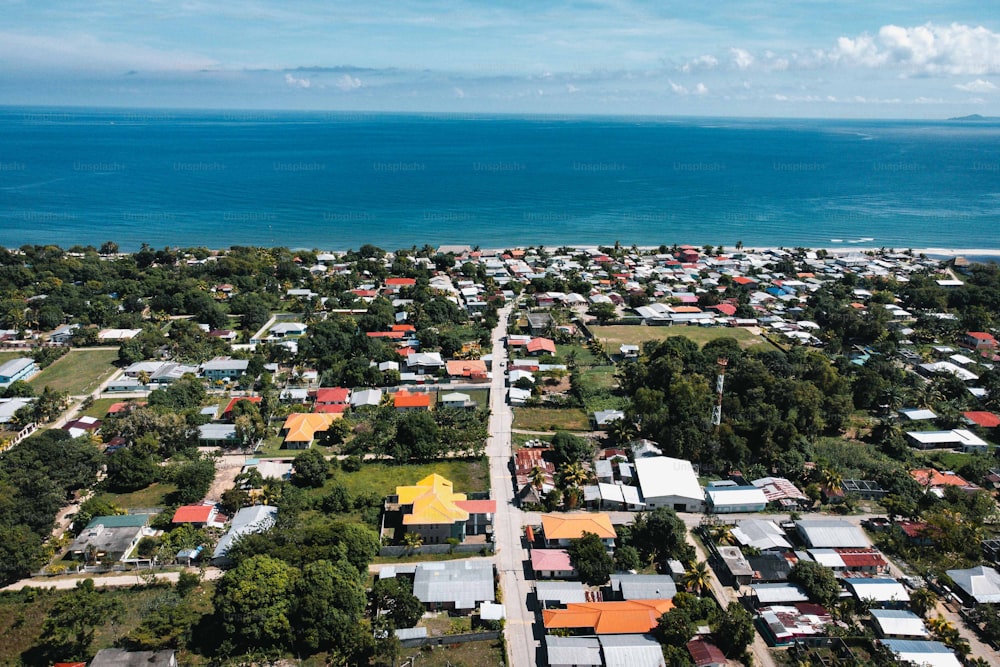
<point x="912" y="59"/>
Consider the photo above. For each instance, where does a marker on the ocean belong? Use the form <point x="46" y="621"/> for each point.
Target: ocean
<point x="339" y="180"/>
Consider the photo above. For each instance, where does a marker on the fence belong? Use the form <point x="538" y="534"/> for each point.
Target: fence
<point x="397" y="551"/>
<point x="449" y="639"/>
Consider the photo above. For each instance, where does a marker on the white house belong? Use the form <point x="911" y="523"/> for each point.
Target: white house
<point x="669" y="482"/>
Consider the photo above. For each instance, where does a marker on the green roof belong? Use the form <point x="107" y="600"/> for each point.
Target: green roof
<point x="120" y="520"/>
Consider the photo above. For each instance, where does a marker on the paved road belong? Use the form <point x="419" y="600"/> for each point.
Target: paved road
<point x="522" y="649"/>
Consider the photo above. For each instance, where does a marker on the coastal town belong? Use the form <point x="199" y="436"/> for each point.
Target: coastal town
<point x="608" y="455"/>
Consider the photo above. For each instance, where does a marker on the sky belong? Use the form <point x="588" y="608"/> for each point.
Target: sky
<point x="808" y="58"/>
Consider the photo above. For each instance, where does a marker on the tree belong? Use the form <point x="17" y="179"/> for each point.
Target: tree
<point x="394" y="598"/>
<point x="69" y="628"/>
<point x="590" y="559"/>
<point x="697" y="578"/>
<point x="569" y="448"/>
<point x="417" y="435"/>
<point x="253" y="603"/>
<point x="573" y="475"/>
<point x="310" y="469"/>
<point x="923" y="600"/>
<point x="604" y="312"/>
<point x="734" y="631"/>
<point x="130" y="470"/>
<point x="329" y="604"/>
<point x="818" y="581"/>
<point x="193" y="479"/>
<point x="661" y="535"/>
<point x="627" y="558"/>
<point x="675" y="628"/>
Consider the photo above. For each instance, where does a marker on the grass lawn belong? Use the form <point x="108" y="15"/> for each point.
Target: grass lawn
<point x="518" y="439"/>
<point x="79" y="372"/>
<point x="7" y="356"/>
<point x="551" y="419"/>
<point x="383" y="478"/>
<point x="480" y="396"/>
<point x="153" y="495"/>
<point x="99" y="408"/>
<point x="614" y="337"/>
<point x="947" y="459"/>
<point x="471" y="654"/>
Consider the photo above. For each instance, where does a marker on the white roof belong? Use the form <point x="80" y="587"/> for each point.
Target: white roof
<point x="582" y="651"/>
<point x="878" y="589"/>
<point x="958" y="436"/>
<point x="827" y="558"/>
<point x="631" y="651"/>
<point x="775" y="593"/>
<point x="981" y="583"/>
<point x="924" y="653"/>
<point x="366" y="397"/>
<point x="761" y="534"/>
<point x="820" y="533"/>
<point x="720" y="496"/>
<point x="899" y="622"/>
<point x="662" y="476"/>
<point x="917" y="414"/>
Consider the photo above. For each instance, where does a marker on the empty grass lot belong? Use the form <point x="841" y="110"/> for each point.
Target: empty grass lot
<point x="78" y="372"/>
<point x="551" y="419"/>
<point x="153" y="495"/>
<point x="383" y="478"/>
<point x="614" y="337"/>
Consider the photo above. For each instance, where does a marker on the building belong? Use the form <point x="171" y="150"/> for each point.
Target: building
<point x="118" y="657"/>
<point x="643" y="587"/>
<point x="552" y="564"/>
<point x="957" y="438"/>
<point x="255" y="519"/>
<point x="22" y="368"/>
<point x="977" y="585"/>
<point x="110" y="538"/>
<point x="301" y="428"/>
<point x="760" y="534"/>
<point x="458" y="585"/>
<point x="196" y="515"/>
<point x="782" y="625"/>
<point x="560" y="530"/>
<point x="559" y="593"/>
<point x="978" y="340"/>
<point x="830" y="533"/>
<point x="405" y="401"/>
<point x="217" y="435"/>
<point x="669" y="482"/>
<point x="573" y="651"/>
<point x="366" y="398"/>
<point x="224" y="369"/>
<point x="706" y="654"/>
<point x="633" y="650"/>
<point x="738" y="571"/>
<point x="456" y="399"/>
<point x="884" y="591"/>
<point x="898" y="624"/>
<point x="782" y="493"/>
<point x="924" y="653"/>
<point x="432" y="509"/>
<point x="619" y="617"/>
<point x="729" y="498"/>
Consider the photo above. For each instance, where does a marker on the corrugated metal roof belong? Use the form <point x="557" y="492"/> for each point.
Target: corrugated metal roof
<point x="631" y="651"/>
<point x="582" y="651"/>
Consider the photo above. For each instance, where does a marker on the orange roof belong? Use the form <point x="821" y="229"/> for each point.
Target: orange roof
<point x="980" y="418"/>
<point x="931" y="477"/>
<point x="541" y="344"/>
<point x="686" y="309"/>
<point x="237" y="399"/>
<point x="477" y="506"/>
<point x="434" y="501"/>
<point x="743" y="280"/>
<point x="573" y="526"/>
<point x="403" y="327"/>
<point x="330" y="408"/>
<point x="406" y="399"/>
<point x="193" y="514"/>
<point x="115" y="408"/>
<point x="401" y="282"/>
<point x="609" y="618"/>
<point x="466" y="368"/>
<point x="386" y="334"/>
<point x="303" y="426"/>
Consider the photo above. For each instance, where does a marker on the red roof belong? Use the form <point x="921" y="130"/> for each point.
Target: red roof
<point x="385" y="334"/>
<point x="984" y="419"/>
<point x="705" y="653"/>
<point x="403" y="327"/>
<point x="725" y="308"/>
<point x="332" y="395"/>
<point x="330" y="408"/>
<point x="363" y="292"/>
<point x="401" y="282"/>
<point x="405" y="399"/>
<point x="858" y="558"/>
<point x="236" y="399"/>
<point x="743" y="280"/>
<point x="979" y="335"/>
<point x="913" y="529"/>
<point x="193" y="514"/>
<point x="124" y="405"/>
<point x="477" y="506"/>
<point x="541" y="345"/>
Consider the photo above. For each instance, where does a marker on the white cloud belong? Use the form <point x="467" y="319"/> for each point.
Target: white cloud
<point x="348" y="82"/>
<point x="296" y="82"/>
<point x="570" y="88"/>
<point x="977" y="86"/>
<point x="700" y="63"/>
<point x="677" y="88"/>
<point x="928" y="49"/>
<point x="700" y="89"/>
<point x="83" y="52"/>
<point x="741" y="58"/>
<point x="459" y="93"/>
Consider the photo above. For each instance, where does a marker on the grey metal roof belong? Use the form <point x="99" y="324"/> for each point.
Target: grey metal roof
<point x="980" y="583"/>
<point x="899" y="622"/>
<point x="116" y="657"/>
<point x="254" y="519"/>
<point x="644" y="586"/>
<point x="465" y="583"/>
<point x="581" y="651"/>
<point x="831" y="533"/>
<point x="631" y="651"/>
<point x="761" y="534"/>
<point x="562" y="592"/>
<point x="775" y="593"/>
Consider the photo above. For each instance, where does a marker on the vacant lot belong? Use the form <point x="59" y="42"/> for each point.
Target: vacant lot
<point x="614" y="337"/>
<point x="153" y="495"/>
<point x="383" y="478"/>
<point x="79" y="372"/>
<point x="478" y="654"/>
<point x="551" y="419"/>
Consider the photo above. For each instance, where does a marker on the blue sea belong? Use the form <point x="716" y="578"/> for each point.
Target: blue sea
<point x="339" y="180"/>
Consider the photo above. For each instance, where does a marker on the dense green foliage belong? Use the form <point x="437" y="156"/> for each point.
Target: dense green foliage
<point x="591" y="560"/>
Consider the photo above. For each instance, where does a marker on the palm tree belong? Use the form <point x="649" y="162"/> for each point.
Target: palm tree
<point x="537" y="477"/>
<point x="698" y="577"/>
<point x="722" y="534"/>
<point x="573" y="475"/>
<point x="831" y="479"/>
<point x="923" y="600"/>
<point x="622" y="431"/>
<point x="413" y="540"/>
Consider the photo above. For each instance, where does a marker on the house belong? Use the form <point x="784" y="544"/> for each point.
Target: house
<point x="227" y="414"/>
<point x="424" y="362"/>
<point x="823" y="533"/>
<point x="982" y="419"/>
<point x="404" y="401"/>
<point x="366" y="398"/>
<point x="552" y="564"/>
<point x="473" y="369"/>
<point x="196" y="515"/>
<point x="978" y="340"/>
<point x="118" y="657"/>
<point x="540" y="346"/>
<point x="559" y="593"/>
<point x="669" y="482"/>
<point x="456" y="399"/>
<point x="560" y="530"/>
<point x="518" y="396"/>
<point x="631" y="650"/>
<point x="110" y="538"/>
<point x="727" y="498"/>
<point x="224" y="369"/>
<point x="737" y="570"/>
<point x="771" y="566"/>
<point x="301" y="428"/>
<point x="643" y="587"/>
<point x="977" y="585"/>
<point x="22" y="368"/>
<point x="433" y="510"/>
<point x="332" y="396"/>
<point x="706" y="654"/>
<point x="898" y="624"/>
<point x="538" y="323"/>
<point x="782" y="493"/>
<point x="764" y="595"/>
<point x="573" y="651"/>
<point x="9" y="406"/>
<point x="760" y="534"/>
<point x="782" y="625"/>
<point x="935" y="481"/>
<point x="255" y="519"/>
<point x="217" y="435"/>
<point x="617" y="617"/>
<point x="629" y="351"/>
<point x="884" y="591"/>
<point x="962" y="439"/>
<point x="64" y="334"/>
<point x="925" y="653"/>
<point x="458" y="585"/>
<point x="603" y="418"/>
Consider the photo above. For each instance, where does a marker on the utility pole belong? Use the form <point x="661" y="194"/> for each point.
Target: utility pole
<point x="719" y="381"/>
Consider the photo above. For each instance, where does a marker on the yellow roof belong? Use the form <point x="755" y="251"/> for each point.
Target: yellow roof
<point x="303" y="426"/>
<point x="573" y="526"/>
<point x="433" y="499"/>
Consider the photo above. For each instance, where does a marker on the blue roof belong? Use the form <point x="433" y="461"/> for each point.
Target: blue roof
<point x="915" y="646"/>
